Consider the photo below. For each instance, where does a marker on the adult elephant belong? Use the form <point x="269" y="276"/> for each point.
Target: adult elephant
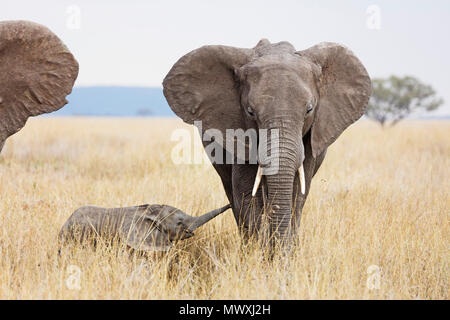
<point x="309" y="96"/>
<point x="37" y="72"/>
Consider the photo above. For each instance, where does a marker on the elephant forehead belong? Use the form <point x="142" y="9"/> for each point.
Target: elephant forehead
<point x="276" y="61"/>
<point x="278" y="70"/>
<point x="274" y="65"/>
<point x="264" y="47"/>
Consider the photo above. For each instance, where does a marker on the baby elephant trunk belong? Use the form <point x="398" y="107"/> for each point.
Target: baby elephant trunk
<point x="199" y="221"/>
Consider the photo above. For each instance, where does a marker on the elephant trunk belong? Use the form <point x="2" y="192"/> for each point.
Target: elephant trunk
<point x="280" y="183"/>
<point x="199" y="221"/>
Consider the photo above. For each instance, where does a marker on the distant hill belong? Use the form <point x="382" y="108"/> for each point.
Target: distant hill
<point x="116" y="101"/>
<point x="119" y="101"/>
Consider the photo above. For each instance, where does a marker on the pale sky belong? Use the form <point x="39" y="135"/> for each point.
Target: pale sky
<point x="136" y="42"/>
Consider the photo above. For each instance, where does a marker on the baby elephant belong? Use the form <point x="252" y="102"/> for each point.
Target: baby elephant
<point x="145" y="227"/>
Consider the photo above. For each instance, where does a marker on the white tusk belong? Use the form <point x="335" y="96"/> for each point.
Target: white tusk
<point x="301" y="175"/>
<point x="257" y="181"/>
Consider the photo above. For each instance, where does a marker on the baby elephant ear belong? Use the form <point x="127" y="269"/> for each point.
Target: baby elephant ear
<point x="145" y="233"/>
<point x="37" y="72"/>
<point x="203" y="86"/>
<point x="344" y="90"/>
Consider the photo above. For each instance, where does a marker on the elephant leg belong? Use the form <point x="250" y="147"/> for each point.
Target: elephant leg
<point x="311" y="165"/>
<point x="224" y="171"/>
<point x="247" y="210"/>
<point x="237" y="181"/>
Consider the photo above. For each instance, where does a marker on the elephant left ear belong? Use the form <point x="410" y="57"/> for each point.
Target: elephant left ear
<point x="37" y="72"/>
<point x="344" y="91"/>
<point x="144" y="233"/>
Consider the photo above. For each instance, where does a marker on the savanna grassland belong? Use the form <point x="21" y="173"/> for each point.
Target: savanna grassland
<point x="378" y="210"/>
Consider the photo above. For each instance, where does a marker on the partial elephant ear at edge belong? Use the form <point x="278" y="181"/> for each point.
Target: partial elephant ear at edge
<point x="37" y="72"/>
<point x="201" y="86"/>
<point x="344" y="91"/>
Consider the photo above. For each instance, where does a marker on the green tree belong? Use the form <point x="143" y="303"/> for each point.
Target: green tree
<point x="395" y="98"/>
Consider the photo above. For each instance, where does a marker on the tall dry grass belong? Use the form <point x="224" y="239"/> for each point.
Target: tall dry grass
<point x="380" y="198"/>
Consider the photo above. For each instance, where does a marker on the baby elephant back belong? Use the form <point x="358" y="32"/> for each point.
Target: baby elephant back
<point x="132" y="225"/>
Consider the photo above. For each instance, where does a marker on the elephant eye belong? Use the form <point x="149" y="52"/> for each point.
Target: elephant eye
<point x="250" y="112"/>
<point x="309" y="108"/>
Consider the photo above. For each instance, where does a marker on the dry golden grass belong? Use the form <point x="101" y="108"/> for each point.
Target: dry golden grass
<point x="380" y="198"/>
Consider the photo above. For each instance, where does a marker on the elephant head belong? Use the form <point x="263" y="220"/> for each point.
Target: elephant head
<point x="37" y="72"/>
<point x="175" y="224"/>
<point x="161" y="226"/>
<point x="309" y="97"/>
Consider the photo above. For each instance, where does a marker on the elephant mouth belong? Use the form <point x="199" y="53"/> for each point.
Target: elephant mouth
<point x="182" y="235"/>
<point x="187" y="234"/>
<point x="259" y="174"/>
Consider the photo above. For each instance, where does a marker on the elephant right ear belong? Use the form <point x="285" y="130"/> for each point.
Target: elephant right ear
<point x="37" y="72"/>
<point x="202" y="86"/>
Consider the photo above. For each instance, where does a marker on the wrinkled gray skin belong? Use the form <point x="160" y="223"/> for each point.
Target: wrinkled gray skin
<point x="145" y="227"/>
<point x="37" y="72"/>
<point x="310" y="96"/>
